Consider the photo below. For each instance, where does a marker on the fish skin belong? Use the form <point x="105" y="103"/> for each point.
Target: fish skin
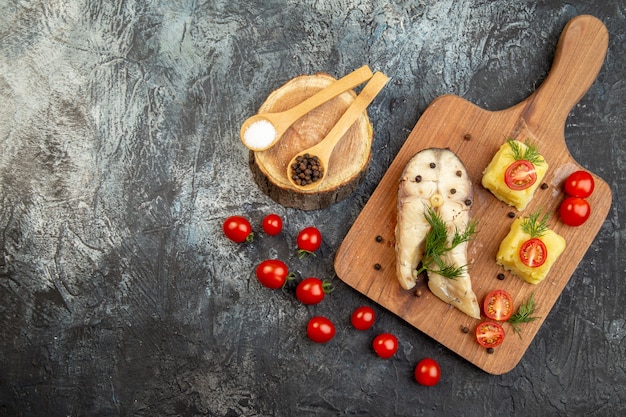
<point x="450" y="192"/>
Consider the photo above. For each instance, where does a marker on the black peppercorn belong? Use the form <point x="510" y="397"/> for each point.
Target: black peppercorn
<point x="511" y="214"/>
<point x="379" y="238"/>
<point x="453" y="191"/>
<point x="377" y="267"/>
<point x="544" y="186"/>
<point x="501" y="276"/>
<point x="490" y="350"/>
<point x="418" y="178"/>
<point x="468" y="202"/>
<point x="433" y="165"/>
<point x="306" y="169"/>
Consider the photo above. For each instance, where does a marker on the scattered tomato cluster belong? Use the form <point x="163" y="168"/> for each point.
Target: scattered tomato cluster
<point x="274" y="274"/>
<point x="575" y="210"/>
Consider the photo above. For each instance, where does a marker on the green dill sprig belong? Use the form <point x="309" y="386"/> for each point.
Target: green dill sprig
<point x="530" y="153"/>
<point x="524" y="314"/>
<point x="466" y="235"/>
<point x="535" y="224"/>
<point x="436" y="245"/>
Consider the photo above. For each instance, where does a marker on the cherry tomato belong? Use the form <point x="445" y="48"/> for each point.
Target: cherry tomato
<point x="312" y="290"/>
<point x="309" y="240"/>
<point x="579" y="184"/>
<point x="498" y="305"/>
<point x="272" y="273"/>
<point x="385" y="345"/>
<point x="363" y="318"/>
<point x="489" y="334"/>
<point x="238" y="229"/>
<point x="520" y="175"/>
<point x="533" y="253"/>
<point x="427" y="372"/>
<point x="320" y="329"/>
<point x="272" y="224"/>
<point x="574" y="211"/>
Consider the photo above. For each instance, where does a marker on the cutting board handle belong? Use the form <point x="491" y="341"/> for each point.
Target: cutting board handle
<point x="579" y="56"/>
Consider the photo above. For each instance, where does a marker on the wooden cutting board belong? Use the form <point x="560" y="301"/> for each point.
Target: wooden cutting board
<point x="475" y="135"/>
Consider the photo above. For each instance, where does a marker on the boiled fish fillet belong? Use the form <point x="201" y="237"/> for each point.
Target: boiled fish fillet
<point x="435" y="178"/>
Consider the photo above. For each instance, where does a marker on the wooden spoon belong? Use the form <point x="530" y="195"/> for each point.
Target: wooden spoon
<point x="323" y="149"/>
<point x="269" y="127"/>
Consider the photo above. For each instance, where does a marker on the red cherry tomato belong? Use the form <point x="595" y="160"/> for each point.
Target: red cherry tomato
<point x="489" y="334"/>
<point x="312" y="290"/>
<point x="309" y="240"/>
<point x="498" y="305"/>
<point x="533" y="253"/>
<point x="574" y="211"/>
<point x="579" y="184"/>
<point x="520" y="175"/>
<point x="238" y="229"/>
<point x="272" y="273"/>
<point x="272" y="224"/>
<point x="363" y="318"/>
<point x="427" y="372"/>
<point x="385" y="345"/>
<point x="320" y="329"/>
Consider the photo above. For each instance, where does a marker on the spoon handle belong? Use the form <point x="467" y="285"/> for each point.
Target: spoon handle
<point x="342" y="85"/>
<point x="360" y="103"/>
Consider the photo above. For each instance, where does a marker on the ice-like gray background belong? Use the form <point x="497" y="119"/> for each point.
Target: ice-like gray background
<point x="120" y="158"/>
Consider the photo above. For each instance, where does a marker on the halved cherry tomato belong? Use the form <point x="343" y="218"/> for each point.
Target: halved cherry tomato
<point x="363" y="318"/>
<point x="309" y="240"/>
<point x="498" y="305"/>
<point x="312" y="290"/>
<point x="385" y="345"/>
<point x="579" y="184"/>
<point x="320" y="329"/>
<point x="574" y="211"/>
<point x="489" y="334"/>
<point x="272" y="224"/>
<point x="533" y="253"/>
<point x="272" y="273"/>
<point x="427" y="372"/>
<point x="520" y="175"/>
<point x="238" y="229"/>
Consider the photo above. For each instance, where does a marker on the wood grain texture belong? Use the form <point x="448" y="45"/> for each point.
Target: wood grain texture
<point x="475" y="135"/>
<point x="347" y="163"/>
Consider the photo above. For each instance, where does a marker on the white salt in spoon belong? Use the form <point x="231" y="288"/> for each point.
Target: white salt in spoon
<point x="323" y="149"/>
<point x="261" y="131"/>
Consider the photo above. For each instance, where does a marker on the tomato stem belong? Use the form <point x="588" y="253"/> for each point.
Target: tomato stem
<point x="290" y="277"/>
<point x="303" y="252"/>
<point x="327" y="286"/>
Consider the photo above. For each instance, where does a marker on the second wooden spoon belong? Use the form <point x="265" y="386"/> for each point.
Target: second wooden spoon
<point x="321" y="152"/>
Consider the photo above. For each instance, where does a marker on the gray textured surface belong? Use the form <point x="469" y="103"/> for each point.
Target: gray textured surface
<point x="120" y="159"/>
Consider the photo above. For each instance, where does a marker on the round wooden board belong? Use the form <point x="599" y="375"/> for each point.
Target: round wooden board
<point x="348" y="162"/>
